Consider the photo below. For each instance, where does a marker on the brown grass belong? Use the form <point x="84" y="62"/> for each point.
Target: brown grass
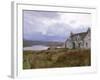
<point x="56" y="58"/>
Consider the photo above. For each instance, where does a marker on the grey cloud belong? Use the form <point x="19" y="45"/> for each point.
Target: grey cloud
<point x="41" y="14"/>
<point x="33" y="21"/>
<point x="59" y="29"/>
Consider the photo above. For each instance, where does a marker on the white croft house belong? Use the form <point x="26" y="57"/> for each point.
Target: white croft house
<point x="79" y="40"/>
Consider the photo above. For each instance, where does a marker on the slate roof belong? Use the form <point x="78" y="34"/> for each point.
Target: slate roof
<point x="81" y="35"/>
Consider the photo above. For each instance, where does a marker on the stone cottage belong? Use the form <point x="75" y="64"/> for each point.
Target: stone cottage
<point x="79" y="40"/>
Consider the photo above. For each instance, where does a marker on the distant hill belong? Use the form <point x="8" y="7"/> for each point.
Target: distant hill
<point x="46" y="43"/>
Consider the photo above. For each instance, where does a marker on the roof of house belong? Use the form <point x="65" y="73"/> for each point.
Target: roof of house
<point x="81" y="35"/>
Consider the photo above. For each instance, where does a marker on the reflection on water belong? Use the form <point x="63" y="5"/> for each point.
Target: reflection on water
<point x="36" y="47"/>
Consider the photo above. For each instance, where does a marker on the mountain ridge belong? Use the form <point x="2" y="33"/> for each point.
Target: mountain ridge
<point x="46" y="43"/>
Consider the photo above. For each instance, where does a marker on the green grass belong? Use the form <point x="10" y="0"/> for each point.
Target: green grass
<point x="56" y="58"/>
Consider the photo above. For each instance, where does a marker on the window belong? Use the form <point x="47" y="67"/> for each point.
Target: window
<point x="86" y="44"/>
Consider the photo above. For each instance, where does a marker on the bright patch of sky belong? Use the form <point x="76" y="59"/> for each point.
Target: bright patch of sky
<point x="53" y="26"/>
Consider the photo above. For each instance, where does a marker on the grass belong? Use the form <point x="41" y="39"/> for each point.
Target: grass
<point x="61" y="57"/>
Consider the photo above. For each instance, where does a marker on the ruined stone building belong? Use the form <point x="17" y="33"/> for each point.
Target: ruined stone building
<point x="79" y="40"/>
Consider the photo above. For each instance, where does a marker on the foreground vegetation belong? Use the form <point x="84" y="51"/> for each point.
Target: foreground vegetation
<point x="61" y="57"/>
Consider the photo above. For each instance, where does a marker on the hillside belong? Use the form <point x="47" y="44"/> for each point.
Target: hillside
<point x="56" y="58"/>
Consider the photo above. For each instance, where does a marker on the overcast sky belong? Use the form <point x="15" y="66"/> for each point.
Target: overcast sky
<point x="56" y="26"/>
